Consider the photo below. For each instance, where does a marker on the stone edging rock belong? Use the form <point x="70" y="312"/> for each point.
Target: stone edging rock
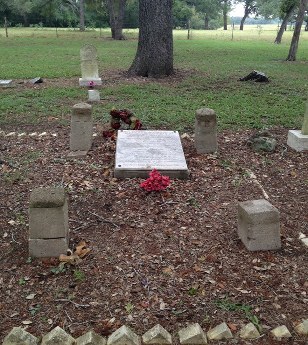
<point x="190" y="335"/>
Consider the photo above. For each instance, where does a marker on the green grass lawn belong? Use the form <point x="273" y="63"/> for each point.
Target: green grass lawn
<point x="210" y="65"/>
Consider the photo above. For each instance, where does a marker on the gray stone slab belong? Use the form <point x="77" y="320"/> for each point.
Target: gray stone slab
<point x="5" y="82"/>
<point x="139" y="152"/>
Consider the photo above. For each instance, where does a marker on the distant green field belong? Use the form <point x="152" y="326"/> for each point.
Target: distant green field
<point x="209" y="66"/>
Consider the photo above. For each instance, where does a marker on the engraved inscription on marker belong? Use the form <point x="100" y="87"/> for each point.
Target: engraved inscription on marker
<point x="139" y="152"/>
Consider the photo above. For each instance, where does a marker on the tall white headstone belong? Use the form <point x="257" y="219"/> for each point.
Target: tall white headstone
<point x="89" y="66"/>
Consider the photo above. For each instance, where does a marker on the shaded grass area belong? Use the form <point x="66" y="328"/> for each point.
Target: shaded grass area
<point x="209" y="69"/>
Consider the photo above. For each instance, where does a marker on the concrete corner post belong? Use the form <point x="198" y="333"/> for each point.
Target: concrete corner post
<point x="48" y="222"/>
<point x="298" y="139"/>
<point x="259" y="225"/>
<point x="305" y="122"/>
<point x="205" y="131"/>
<point x="93" y="96"/>
<point x="81" y="128"/>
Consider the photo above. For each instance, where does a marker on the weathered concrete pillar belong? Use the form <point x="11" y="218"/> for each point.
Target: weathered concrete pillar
<point x="81" y="129"/>
<point x="48" y="222"/>
<point x="259" y="225"/>
<point x="93" y="96"/>
<point x="205" y="131"/>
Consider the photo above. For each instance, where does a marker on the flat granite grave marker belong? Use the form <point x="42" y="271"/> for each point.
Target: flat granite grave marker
<point x="139" y="152"/>
<point x="89" y="66"/>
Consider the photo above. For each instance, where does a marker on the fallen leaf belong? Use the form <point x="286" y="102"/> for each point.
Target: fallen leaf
<point x="168" y="270"/>
<point x="70" y="259"/>
<point x="232" y="326"/>
<point x="81" y="249"/>
<point x="197" y="268"/>
<point x="31" y="296"/>
<point x="162" y="306"/>
<point x="26" y="322"/>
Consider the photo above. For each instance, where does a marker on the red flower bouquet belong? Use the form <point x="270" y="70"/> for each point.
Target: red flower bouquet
<point x="156" y="182"/>
<point x="122" y="116"/>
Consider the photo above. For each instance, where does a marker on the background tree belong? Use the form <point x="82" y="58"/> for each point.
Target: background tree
<point x="131" y="18"/>
<point x="226" y="7"/>
<point x="154" y="57"/>
<point x="269" y="9"/>
<point x="5" y="10"/>
<point x="81" y="15"/>
<point x="297" y="30"/>
<point x="116" y="9"/>
<point x="286" y="11"/>
<point x="250" y="7"/>
<point x="55" y="13"/>
<point x="210" y="9"/>
<point x="182" y="13"/>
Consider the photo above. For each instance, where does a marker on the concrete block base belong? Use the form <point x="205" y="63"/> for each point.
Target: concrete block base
<point x="93" y="96"/>
<point x="77" y="154"/>
<point x="297" y="140"/>
<point x="86" y="81"/>
<point x="258" y="225"/>
<point x="41" y="248"/>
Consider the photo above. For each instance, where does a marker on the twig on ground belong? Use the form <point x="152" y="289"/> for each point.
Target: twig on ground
<point x="144" y="281"/>
<point x="14" y="239"/>
<point x="102" y="219"/>
<point x="168" y="203"/>
<point x="75" y="304"/>
<point x="84" y="226"/>
<point x="68" y="315"/>
<point x="254" y="179"/>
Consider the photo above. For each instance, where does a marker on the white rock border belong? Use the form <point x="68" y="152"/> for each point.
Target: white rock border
<point x="190" y="335"/>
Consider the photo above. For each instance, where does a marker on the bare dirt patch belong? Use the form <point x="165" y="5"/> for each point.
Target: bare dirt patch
<point x="110" y="77"/>
<point x="169" y="258"/>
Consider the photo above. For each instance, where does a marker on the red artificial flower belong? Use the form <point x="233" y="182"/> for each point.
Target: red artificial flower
<point x="108" y="134"/>
<point x="115" y="113"/>
<point x="91" y="84"/>
<point x="137" y="125"/>
<point x="115" y="125"/>
<point x="156" y="182"/>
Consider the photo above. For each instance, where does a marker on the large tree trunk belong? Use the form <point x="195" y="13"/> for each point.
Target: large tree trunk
<point x="284" y="25"/>
<point x="297" y="30"/>
<point x="225" y="14"/>
<point x="116" y="14"/>
<point x="81" y="15"/>
<point x="154" y="57"/>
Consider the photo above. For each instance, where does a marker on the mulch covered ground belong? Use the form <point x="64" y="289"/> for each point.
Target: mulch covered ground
<point x="170" y="257"/>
